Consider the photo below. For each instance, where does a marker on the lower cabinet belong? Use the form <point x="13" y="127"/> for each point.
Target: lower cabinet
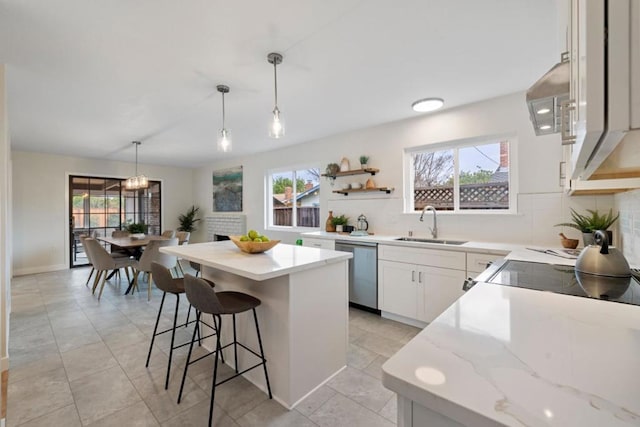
<point x="417" y="291"/>
<point x="319" y="243"/>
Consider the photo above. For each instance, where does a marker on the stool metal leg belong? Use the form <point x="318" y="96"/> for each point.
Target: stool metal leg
<point x="215" y="372"/>
<point x="155" y="329"/>
<point x="188" y="314"/>
<point x="264" y="361"/>
<point x="235" y="345"/>
<point x="186" y="366"/>
<point x="173" y="336"/>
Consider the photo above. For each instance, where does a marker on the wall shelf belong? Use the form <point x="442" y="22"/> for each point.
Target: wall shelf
<point x="364" y="171"/>
<point x="387" y="190"/>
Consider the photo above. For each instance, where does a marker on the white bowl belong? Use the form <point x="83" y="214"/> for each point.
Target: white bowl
<point x="356" y="185"/>
<point x="346" y="186"/>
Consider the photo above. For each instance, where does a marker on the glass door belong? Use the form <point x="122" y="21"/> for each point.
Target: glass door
<point x="101" y="205"/>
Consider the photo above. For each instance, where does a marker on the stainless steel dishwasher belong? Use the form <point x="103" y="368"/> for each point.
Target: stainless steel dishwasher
<point x="363" y="274"/>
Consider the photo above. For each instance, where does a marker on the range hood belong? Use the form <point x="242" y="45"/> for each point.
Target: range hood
<point x="546" y="95"/>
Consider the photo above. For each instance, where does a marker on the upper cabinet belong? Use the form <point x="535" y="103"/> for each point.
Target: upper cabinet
<point x="604" y="105"/>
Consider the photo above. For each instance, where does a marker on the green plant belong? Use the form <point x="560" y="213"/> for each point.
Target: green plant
<point x="364" y="160"/>
<point x="332" y="169"/>
<point x="340" y="220"/>
<point x="188" y="220"/>
<point x="590" y="223"/>
<point x="137" y="227"/>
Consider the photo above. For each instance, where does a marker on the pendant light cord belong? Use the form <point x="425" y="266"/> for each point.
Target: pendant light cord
<point x="275" y="82"/>
<point x="223" y="113"/>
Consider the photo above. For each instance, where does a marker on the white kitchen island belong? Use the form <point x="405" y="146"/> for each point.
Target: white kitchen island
<point x="303" y="317"/>
<point x="507" y="356"/>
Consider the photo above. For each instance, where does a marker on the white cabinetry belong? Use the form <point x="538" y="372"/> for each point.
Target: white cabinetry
<point x="319" y="243"/>
<point x="604" y="85"/>
<point x="419" y="284"/>
<point x="478" y="262"/>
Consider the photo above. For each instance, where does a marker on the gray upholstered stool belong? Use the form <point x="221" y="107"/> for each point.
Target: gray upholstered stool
<point x="205" y="300"/>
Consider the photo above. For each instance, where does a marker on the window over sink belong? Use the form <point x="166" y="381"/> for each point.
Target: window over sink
<point x="473" y="175"/>
<point x="293" y="196"/>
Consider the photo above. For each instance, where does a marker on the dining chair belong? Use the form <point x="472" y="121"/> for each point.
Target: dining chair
<point x="117" y="250"/>
<point x="152" y="253"/>
<point x="170" y="234"/>
<point x="84" y="237"/>
<point x="103" y="262"/>
<point x="183" y="239"/>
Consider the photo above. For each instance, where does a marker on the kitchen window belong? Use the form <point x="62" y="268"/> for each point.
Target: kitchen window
<point x="293" y="205"/>
<point x="468" y="176"/>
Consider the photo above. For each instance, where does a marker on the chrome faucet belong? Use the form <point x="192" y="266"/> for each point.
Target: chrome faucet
<point x="434" y="230"/>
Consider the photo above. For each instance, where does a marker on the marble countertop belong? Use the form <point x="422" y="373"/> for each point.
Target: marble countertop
<point x="505" y="356"/>
<point x="280" y="260"/>
<point x="510" y="250"/>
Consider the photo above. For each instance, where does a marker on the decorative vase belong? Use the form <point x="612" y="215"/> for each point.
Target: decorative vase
<point x="345" y="166"/>
<point x="363" y="165"/>
<point x="330" y="227"/>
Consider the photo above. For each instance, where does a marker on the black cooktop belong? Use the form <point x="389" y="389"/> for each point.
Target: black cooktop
<point x="562" y="279"/>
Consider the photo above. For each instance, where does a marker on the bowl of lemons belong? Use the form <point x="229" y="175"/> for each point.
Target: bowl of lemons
<point x="253" y="242"/>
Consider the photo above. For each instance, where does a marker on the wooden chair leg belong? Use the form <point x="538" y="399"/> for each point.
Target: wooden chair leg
<point x="89" y="278"/>
<point x="97" y="280"/>
<point x="104" y="279"/>
<point x="149" y="288"/>
<point x="126" y="271"/>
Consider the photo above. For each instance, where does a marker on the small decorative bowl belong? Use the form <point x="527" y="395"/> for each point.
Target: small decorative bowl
<point x="356" y="185"/>
<point x="569" y="243"/>
<point x="253" y="247"/>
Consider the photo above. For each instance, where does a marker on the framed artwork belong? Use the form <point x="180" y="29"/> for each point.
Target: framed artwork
<point x="227" y="190"/>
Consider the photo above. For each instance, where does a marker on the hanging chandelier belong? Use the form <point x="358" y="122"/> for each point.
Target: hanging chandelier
<point x="137" y="182"/>
<point x="224" y="135"/>
<point x="276" y="129"/>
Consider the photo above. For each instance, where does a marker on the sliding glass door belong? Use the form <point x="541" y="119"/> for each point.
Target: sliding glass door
<point x="100" y="205"/>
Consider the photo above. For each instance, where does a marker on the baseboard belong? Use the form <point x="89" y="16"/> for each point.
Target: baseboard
<point x="3" y="393"/>
<point x="40" y="269"/>
<point x="405" y="320"/>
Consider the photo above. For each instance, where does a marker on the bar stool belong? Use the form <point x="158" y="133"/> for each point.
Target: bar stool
<point x="205" y="300"/>
<point x="167" y="284"/>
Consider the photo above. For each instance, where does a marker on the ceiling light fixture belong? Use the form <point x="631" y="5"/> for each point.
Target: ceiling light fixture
<point x="544" y="111"/>
<point x="224" y="136"/>
<point x="427" y="104"/>
<point x="137" y="182"/>
<point x="545" y="127"/>
<point x="276" y="129"/>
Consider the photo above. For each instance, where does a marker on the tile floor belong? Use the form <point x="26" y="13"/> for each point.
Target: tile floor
<point x="77" y="361"/>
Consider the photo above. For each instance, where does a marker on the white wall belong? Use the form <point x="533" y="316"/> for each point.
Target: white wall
<point x="628" y="204"/>
<point x="40" y="203"/>
<point x="541" y="203"/>
<point x="5" y="232"/>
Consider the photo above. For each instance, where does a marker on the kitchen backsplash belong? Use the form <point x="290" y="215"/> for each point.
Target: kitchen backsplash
<point x="628" y="204"/>
<point x="534" y="223"/>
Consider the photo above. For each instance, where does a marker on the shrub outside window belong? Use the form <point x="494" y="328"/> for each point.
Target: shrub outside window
<point x="471" y="176"/>
<point x="295" y="206"/>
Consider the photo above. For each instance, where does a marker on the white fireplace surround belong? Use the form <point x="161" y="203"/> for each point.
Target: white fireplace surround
<point x="225" y="224"/>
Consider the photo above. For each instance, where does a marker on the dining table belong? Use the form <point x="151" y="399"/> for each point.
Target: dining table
<point x="133" y="246"/>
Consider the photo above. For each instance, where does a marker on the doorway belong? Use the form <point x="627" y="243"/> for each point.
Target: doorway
<point x="100" y="205"/>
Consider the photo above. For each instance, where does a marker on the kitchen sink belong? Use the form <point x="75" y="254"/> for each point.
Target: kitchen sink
<point x="438" y="241"/>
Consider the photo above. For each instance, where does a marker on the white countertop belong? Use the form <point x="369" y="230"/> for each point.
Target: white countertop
<point x="510" y="250"/>
<point x="505" y="356"/>
<point x="280" y="260"/>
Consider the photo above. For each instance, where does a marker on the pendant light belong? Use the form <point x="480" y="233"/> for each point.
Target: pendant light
<point x="276" y="129"/>
<point x="137" y="182"/>
<point x="224" y="135"/>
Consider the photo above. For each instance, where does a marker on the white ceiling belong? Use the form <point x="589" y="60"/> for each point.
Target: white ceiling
<point x="86" y="78"/>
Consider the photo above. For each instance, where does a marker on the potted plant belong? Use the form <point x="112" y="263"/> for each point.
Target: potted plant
<point x="332" y="169"/>
<point x="137" y="229"/>
<point x="587" y="224"/>
<point x="339" y="221"/>
<point x="364" y="161"/>
<point x="188" y="220"/>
